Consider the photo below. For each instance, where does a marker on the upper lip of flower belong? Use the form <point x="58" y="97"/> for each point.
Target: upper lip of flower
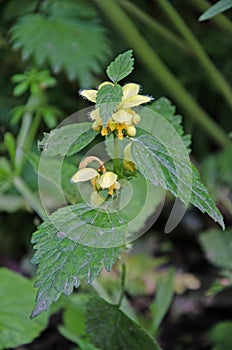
<point x="130" y="98"/>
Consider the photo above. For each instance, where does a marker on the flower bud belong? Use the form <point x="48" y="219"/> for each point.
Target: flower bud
<point x="131" y="130"/>
<point x="136" y="118"/>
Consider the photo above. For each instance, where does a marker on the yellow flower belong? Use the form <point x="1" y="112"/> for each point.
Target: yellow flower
<point x="108" y="180"/>
<point x="124" y="116"/>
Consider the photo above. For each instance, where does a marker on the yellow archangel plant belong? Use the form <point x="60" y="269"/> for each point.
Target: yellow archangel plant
<point x="123" y="120"/>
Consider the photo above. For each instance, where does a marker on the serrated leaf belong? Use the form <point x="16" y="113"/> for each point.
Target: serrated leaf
<point x="66" y="42"/>
<point x="64" y="263"/>
<point x="121" y="67"/>
<point x="215" y="9"/>
<point x="108" y="98"/>
<point x="16" y="300"/>
<point x="92" y="227"/>
<point x="164" y="107"/>
<point x="117" y="331"/>
<point x="67" y="140"/>
<point x="160" y="167"/>
<point x="218" y="247"/>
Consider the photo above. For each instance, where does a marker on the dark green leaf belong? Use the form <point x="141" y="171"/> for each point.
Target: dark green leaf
<point x="16" y="301"/>
<point x="108" y="98"/>
<point x="122" y="66"/>
<point x="117" y="331"/>
<point x="66" y="42"/>
<point x="217" y="8"/>
<point x="67" y="140"/>
<point x="159" y="166"/>
<point x="63" y="263"/>
<point x="218" y="247"/>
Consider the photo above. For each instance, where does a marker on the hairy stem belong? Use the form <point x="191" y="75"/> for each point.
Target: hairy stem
<point x="158" y="69"/>
<point x="213" y="73"/>
<point x="116" y="156"/>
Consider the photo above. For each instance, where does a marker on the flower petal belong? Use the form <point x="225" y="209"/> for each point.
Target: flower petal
<point x="130" y="90"/>
<point x="107" y="179"/>
<point x="95" y="115"/>
<point x="122" y="116"/>
<point x="104" y="83"/>
<point x="84" y="174"/>
<point x="135" y="101"/>
<point x="89" y="94"/>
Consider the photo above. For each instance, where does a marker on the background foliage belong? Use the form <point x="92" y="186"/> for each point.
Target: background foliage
<point x="52" y="49"/>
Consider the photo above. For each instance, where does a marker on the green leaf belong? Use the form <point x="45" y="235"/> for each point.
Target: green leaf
<point x="89" y="226"/>
<point x="217" y="8"/>
<point x="63" y="263"/>
<point x="9" y="142"/>
<point x="218" y="247"/>
<point x="160" y="167"/>
<point x="108" y="98"/>
<point x="66" y="42"/>
<point x="6" y="174"/>
<point x="121" y="67"/>
<point x="67" y="140"/>
<point x="57" y="172"/>
<point x="220" y="336"/>
<point x="163" y="298"/>
<point x="16" y="300"/>
<point x="164" y="107"/>
<point x="110" y="329"/>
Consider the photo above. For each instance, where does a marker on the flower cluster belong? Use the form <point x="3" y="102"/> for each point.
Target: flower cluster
<point x="123" y="120"/>
<point x="101" y="179"/>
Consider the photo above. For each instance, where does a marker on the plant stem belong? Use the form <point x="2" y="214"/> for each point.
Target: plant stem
<point x="214" y="74"/>
<point x="123" y="280"/>
<point x="21" y="140"/>
<point x="220" y="20"/>
<point x="116" y="156"/>
<point x="157" y="27"/>
<point x="32" y="132"/>
<point x="158" y="69"/>
<point x="29" y="196"/>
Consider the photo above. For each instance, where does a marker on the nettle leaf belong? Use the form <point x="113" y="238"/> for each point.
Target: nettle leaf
<point x="121" y="67"/>
<point x="16" y="301"/>
<point x="66" y="42"/>
<point x="67" y="140"/>
<point x="218" y="247"/>
<point x="217" y="8"/>
<point x="164" y="107"/>
<point x="117" y="331"/>
<point x="108" y="98"/>
<point x="157" y="165"/>
<point x="63" y="262"/>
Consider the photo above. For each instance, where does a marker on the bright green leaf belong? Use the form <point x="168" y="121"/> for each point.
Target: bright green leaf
<point x="215" y="9"/>
<point x="16" y="301"/>
<point x="121" y="67"/>
<point x="67" y="140"/>
<point x="63" y="263"/>
<point x="117" y="331"/>
<point x="108" y="98"/>
<point x="160" y="167"/>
